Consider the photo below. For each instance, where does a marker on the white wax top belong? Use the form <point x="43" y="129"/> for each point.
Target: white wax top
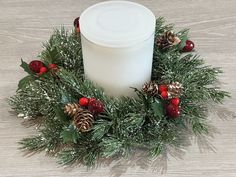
<point x="117" y="23"/>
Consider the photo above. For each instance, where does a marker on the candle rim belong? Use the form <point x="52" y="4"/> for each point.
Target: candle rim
<point x="118" y="43"/>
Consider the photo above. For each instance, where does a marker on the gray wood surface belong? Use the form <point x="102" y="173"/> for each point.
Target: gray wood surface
<point x="25" y="24"/>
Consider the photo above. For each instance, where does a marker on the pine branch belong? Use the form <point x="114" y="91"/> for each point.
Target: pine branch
<point x="65" y="50"/>
<point x="32" y="144"/>
<point x="126" y="122"/>
<point x="37" y="98"/>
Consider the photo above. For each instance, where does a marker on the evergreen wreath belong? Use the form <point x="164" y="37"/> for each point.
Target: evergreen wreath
<point x="77" y="122"/>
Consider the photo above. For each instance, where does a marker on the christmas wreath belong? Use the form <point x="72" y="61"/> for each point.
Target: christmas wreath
<point x="78" y="122"/>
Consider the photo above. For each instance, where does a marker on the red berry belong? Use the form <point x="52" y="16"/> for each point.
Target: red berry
<point x="164" y="94"/>
<point x="188" y="46"/>
<point x="175" y="101"/>
<point x="52" y="66"/>
<point x="92" y="99"/>
<point x="83" y="101"/>
<point x="35" y="66"/>
<point x="162" y="88"/>
<point x="172" y="111"/>
<point x="76" y="25"/>
<point x="43" y="70"/>
<point x="95" y="106"/>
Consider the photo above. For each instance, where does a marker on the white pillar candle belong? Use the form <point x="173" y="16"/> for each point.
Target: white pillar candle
<point x="117" y="45"/>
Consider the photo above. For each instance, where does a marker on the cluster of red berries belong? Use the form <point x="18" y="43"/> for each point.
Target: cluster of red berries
<point x="92" y="104"/>
<point x="40" y="68"/>
<point x="173" y="106"/>
<point x="163" y="91"/>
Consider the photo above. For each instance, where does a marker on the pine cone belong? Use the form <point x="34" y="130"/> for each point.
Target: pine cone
<point x="54" y="71"/>
<point x="174" y="89"/>
<point x="83" y="120"/>
<point x="72" y="108"/>
<point x="167" y="40"/>
<point x="151" y="88"/>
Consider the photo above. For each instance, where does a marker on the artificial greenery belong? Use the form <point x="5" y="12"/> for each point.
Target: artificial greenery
<point x="127" y="123"/>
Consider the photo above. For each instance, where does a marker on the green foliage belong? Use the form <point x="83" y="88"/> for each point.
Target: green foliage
<point x="112" y="146"/>
<point x="155" y="151"/>
<point x="183" y="35"/>
<point x="70" y="134"/>
<point x="33" y="144"/>
<point x="127" y="123"/>
<point x="158" y="108"/>
<point x="133" y="122"/>
<point x="24" y="82"/>
<point x="64" y="49"/>
<point x="49" y="139"/>
<point x="100" y="129"/>
<point x="25" y="66"/>
<point x="61" y="115"/>
<point x="37" y="98"/>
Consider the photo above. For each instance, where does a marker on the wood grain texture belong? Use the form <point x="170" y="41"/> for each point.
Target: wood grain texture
<point x="25" y="24"/>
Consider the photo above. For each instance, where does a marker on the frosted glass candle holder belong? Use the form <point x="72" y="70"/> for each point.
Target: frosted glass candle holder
<point x="117" y="45"/>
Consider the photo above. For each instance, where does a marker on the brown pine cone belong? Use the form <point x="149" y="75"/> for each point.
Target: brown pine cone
<point x="167" y="40"/>
<point x="151" y="88"/>
<point x="174" y="89"/>
<point x="72" y="108"/>
<point x="83" y="120"/>
<point x="54" y="71"/>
